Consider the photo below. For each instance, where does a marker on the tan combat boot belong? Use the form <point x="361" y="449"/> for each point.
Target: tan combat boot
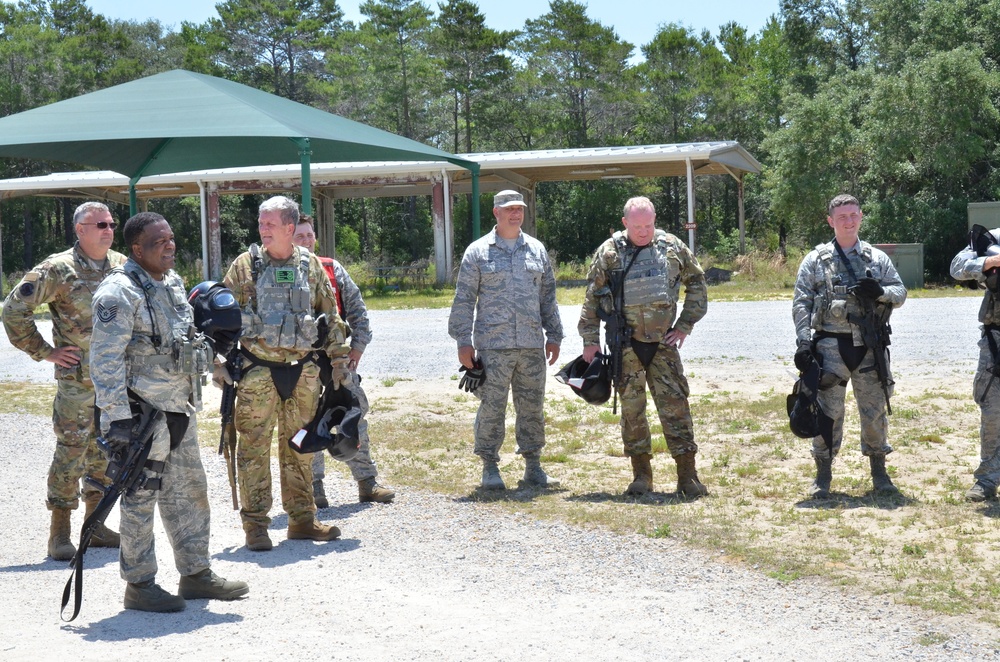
<point x="206" y="585"/>
<point x="149" y="596"/>
<point x="534" y="475"/>
<point x="688" y="484"/>
<point x="370" y="490"/>
<point x="881" y="482"/>
<point x="319" y="495"/>
<point x="60" y="545"/>
<point x="257" y="538"/>
<point x="642" y="472"/>
<point x="312" y="530"/>
<point x="102" y="535"/>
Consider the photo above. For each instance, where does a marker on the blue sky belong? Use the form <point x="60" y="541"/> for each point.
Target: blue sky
<point x="634" y="20"/>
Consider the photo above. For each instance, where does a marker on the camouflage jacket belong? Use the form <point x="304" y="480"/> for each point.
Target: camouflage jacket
<point x="355" y="311"/>
<point x="821" y="301"/>
<point x="652" y="287"/>
<point x="147" y="345"/>
<point x="968" y="265"/>
<point x="505" y="299"/>
<point x="65" y="281"/>
<point x="321" y="299"/>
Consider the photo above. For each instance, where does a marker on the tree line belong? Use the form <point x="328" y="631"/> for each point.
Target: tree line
<point x="895" y="101"/>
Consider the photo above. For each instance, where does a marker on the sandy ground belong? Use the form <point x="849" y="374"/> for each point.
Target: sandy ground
<point x="431" y="577"/>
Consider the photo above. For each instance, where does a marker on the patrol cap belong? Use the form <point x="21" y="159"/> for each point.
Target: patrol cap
<point x="508" y="198"/>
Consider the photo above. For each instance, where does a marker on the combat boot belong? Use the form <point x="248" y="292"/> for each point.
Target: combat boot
<point x="148" y="596"/>
<point x="880" y="478"/>
<point x="824" y="476"/>
<point x="206" y="585"/>
<point x="688" y="484"/>
<point x="981" y="491"/>
<point x="534" y="475"/>
<point x="313" y="530"/>
<point x="491" y="476"/>
<point x="102" y="535"/>
<point x="257" y="538"/>
<point x="319" y="494"/>
<point x="642" y="472"/>
<point x="369" y="490"/>
<point x="60" y="545"/>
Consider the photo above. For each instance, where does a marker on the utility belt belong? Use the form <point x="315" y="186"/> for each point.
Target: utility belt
<point x="185" y="359"/>
<point x="285" y="375"/>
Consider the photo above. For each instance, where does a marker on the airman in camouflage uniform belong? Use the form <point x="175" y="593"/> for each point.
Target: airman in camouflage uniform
<point x="832" y="279"/>
<point x="282" y="290"/>
<point x="656" y="263"/>
<point x="504" y="299"/>
<point x="352" y="308"/>
<point x="969" y="265"/>
<point x="65" y="282"/>
<point x="145" y="346"/>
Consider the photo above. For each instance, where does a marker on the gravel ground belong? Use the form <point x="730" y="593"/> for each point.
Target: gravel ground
<point x="432" y="577"/>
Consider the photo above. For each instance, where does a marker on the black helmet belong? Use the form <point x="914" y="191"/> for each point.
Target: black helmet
<point x="806" y="418"/>
<point x="591" y="381"/>
<point x="216" y="314"/>
<point x="334" y="428"/>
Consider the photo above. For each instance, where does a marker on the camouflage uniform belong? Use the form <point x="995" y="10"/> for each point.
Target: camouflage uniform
<point x="652" y="290"/>
<point x="279" y="312"/>
<point x="353" y="309"/>
<point x="822" y="304"/>
<point x="512" y="294"/>
<point x="66" y="282"/>
<point x="967" y="265"/>
<point x="149" y="347"/>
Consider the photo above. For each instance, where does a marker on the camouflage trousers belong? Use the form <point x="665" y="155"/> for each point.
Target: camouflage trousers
<point x="258" y="408"/>
<point x="183" y="503"/>
<point x="521" y="371"/>
<point x="868" y="394"/>
<point x="76" y="454"/>
<point x="361" y="466"/>
<point x="988" y="471"/>
<point x="669" y="388"/>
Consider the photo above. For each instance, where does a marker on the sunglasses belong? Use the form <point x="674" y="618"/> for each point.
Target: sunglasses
<point x="102" y="225"/>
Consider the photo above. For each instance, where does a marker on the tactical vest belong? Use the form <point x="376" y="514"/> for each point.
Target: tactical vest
<point x="832" y="303"/>
<point x="280" y="315"/>
<point x="178" y="347"/>
<point x="653" y="278"/>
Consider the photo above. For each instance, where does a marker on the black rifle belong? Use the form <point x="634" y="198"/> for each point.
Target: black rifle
<point x="873" y="323"/>
<point x="125" y="469"/>
<point x="227" y="440"/>
<point x="617" y="332"/>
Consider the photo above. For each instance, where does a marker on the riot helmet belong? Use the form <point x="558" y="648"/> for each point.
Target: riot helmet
<point x="591" y="381"/>
<point x="334" y="428"/>
<point x="216" y="314"/>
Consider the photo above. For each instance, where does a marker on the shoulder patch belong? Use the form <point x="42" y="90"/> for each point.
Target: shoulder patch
<point x="106" y="314"/>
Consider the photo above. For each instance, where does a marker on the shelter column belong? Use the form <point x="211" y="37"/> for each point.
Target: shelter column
<point x="214" y="233"/>
<point x="690" y="196"/>
<point x="742" y="214"/>
<point x="326" y="225"/>
<point x="440" y="230"/>
<point x="530" y="224"/>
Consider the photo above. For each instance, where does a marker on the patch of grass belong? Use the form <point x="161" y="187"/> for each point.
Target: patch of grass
<point x="27" y="398"/>
<point x="662" y="531"/>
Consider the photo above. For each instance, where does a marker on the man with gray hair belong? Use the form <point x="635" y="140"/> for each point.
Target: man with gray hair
<point x="65" y="282"/>
<point x="505" y="299"/>
<point x="282" y="290"/>
<point x="641" y="269"/>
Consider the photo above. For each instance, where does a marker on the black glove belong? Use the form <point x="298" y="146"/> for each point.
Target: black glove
<point x="868" y="288"/>
<point x="804" y="355"/>
<point x="119" y="435"/>
<point x="474" y="376"/>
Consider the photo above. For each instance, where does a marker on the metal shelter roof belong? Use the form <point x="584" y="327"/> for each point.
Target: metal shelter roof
<point x="498" y="170"/>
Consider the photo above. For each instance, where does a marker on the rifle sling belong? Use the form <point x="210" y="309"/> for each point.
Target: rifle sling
<point x="991" y="343"/>
<point x="847" y="263"/>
